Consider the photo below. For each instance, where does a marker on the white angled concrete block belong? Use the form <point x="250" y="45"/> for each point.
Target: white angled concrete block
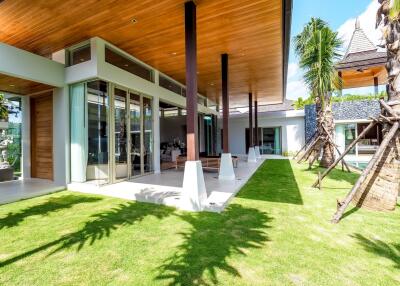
<point x="194" y="195"/>
<point x="226" y="168"/>
<point x="251" y="157"/>
<point x="257" y="150"/>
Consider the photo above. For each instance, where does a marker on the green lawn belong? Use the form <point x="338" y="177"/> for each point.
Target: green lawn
<point x="275" y="232"/>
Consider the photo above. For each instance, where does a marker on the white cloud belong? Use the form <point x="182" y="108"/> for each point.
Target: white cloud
<point x="367" y="22"/>
<point x="293" y="70"/>
<point x="296" y="89"/>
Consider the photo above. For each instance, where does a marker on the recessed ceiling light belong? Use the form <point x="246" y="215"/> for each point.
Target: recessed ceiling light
<point x="174" y="53"/>
<point x="134" y="21"/>
<point x="12" y="85"/>
<point x="126" y="65"/>
<point x="212" y="83"/>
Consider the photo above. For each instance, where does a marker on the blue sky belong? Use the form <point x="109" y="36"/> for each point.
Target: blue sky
<point x="341" y="16"/>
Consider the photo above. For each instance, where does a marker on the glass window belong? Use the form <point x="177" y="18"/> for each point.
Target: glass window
<point x="349" y="136"/>
<point x="14" y="130"/>
<point x="128" y="65"/>
<point x="134" y="106"/>
<point x="79" y="55"/>
<point x="148" y="134"/>
<point x="170" y="85"/>
<point x="98" y="105"/>
<point x="371" y="141"/>
<point x="271" y="142"/>
<point x="120" y="134"/>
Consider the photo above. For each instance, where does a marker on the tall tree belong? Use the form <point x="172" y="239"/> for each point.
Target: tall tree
<point x="318" y="48"/>
<point x="378" y="186"/>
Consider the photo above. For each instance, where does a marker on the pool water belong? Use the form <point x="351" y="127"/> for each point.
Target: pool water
<point x="359" y="165"/>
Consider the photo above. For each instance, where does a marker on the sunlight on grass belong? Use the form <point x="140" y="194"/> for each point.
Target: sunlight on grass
<point x="275" y="232"/>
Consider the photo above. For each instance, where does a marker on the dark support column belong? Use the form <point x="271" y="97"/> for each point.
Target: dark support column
<point x="191" y="81"/>
<point x="256" y="123"/>
<point x="225" y="102"/>
<point x="341" y="84"/>
<point x="376" y="85"/>
<point x="251" y="144"/>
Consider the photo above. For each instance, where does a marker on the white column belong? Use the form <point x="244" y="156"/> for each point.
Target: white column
<point x="194" y="195"/>
<point x="226" y="171"/>
<point x="26" y="137"/>
<point x="257" y="151"/>
<point x="156" y="132"/>
<point x="61" y="135"/>
<point x="251" y="158"/>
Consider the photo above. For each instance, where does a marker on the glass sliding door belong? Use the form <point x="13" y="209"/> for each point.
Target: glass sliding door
<point x="271" y="141"/>
<point x="97" y="114"/>
<point x="120" y="134"/>
<point x="111" y="133"/>
<point x="135" y="134"/>
<point x="147" y="135"/>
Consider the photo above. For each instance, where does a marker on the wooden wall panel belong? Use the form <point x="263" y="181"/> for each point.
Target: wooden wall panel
<point x="42" y="136"/>
<point x="21" y="86"/>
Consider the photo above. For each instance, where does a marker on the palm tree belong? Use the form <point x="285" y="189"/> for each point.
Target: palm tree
<point x="389" y="15"/>
<point x="378" y="186"/>
<point x="318" y="48"/>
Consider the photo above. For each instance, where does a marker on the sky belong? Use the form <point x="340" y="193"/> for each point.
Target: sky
<point x="341" y="16"/>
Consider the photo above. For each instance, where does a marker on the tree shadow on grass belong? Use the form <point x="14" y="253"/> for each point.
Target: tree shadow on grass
<point x="390" y="251"/>
<point x="99" y="226"/>
<point x="51" y="205"/>
<point x="211" y="241"/>
<point x="274" y="181"/>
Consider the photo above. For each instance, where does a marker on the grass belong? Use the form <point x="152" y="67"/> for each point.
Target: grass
<point x="275" y="232"/>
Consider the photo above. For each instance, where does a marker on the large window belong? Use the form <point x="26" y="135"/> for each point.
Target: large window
<point x="270" y="140"/>
<point x="170" y="85"/>
<point x="128" y="65"/>
<point x="346" y="133"/>
<point x="14" y="130"/>
<point x="79" y="55"/>
<point x="97" y="106"/>
<point x="111" y="133"/>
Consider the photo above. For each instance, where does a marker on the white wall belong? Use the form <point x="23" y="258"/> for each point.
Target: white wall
<point x="22" y="64"/>
<point x="292" y="124"/>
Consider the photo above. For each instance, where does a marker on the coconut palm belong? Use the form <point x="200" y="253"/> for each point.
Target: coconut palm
<point x="389" y="16"/>
<point x="318" y="48"/>
<point x="378" y="186"/>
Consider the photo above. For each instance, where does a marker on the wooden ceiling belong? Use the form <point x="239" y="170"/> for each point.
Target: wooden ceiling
<point x="21" y="86"/>
<point x="364" y="78"/>
<point x="250" y="31"/>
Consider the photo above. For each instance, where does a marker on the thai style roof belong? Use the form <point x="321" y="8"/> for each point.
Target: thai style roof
<point x="361" y="52"/>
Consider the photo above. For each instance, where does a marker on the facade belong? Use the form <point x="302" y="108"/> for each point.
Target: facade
<point x="112" y="117"/>
<point x="281" y="130"/>
<point x="91" y="112"/>
<point x="350" y="117"/>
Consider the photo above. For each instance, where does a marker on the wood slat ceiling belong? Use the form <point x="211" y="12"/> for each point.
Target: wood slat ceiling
<point x="355" y="78"/>
<point x="249" y="30"/>
<point x="21" y="86"/>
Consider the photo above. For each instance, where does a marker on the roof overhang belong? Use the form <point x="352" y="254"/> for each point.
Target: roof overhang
<point x="255" y="34"/>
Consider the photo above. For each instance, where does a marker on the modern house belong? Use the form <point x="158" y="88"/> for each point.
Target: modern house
<point x="111" y="92"/>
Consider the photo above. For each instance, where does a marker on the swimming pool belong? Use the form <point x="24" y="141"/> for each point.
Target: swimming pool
<point x="358" y="164"/>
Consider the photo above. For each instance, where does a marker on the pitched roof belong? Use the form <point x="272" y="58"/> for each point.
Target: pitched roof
<point x="361" y="52"/>
<point x="360" y="42"/>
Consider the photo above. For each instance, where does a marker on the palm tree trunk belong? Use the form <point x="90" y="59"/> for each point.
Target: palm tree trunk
<point x="327" y="121"/>
<point x="382" y="187"/>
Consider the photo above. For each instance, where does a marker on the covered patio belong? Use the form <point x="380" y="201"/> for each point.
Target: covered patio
<point x="166" y="187"/>
<point x="13" y="191"/>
